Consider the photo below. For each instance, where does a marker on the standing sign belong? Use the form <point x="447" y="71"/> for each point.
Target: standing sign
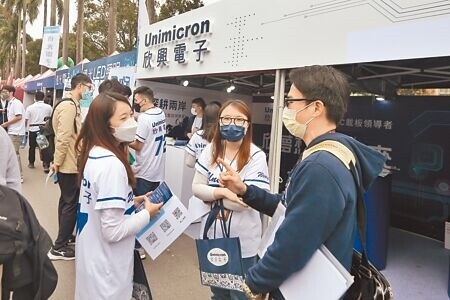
<point x="50" y="47"/>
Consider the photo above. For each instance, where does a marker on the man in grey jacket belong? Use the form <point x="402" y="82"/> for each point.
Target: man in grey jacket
<point x="9" y="166"/>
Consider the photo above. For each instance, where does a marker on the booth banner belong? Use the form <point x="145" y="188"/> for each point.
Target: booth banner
<point x="99" y="69"/>
<point x="238" y="36"/>
<point x="417" y="151"/>
<point x="176" y="100"/>
<point x="125" y="75"/>
<point x="50" y="47"/>
<point x="63" y="76"/>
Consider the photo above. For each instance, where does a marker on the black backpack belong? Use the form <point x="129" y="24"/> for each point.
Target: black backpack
<point x="24" y="244"/>
<point x="47" y="128"/>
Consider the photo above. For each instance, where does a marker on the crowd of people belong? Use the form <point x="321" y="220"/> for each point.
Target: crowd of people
<point x="101" y="188"/>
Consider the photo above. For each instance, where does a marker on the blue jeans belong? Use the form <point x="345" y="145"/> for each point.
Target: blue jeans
<point x="222" y="294"/>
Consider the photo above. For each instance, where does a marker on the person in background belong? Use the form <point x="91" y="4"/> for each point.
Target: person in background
<point x="202" y="137"/>
<point x="3" y="110"/>
<point x="66" y="124"/>
<point x="150" y="145"/>
<point x="232" y="142"/>
<point x="35" y="115"/>
<point x="9" y="166"/>
<point x="111" y="85"/>
<point x="196" y="121"/>
<point x="321" y="193"/>
<point x="49" y="99"/>
<point x="16" y="120"/>
<point x="105" y="228"/>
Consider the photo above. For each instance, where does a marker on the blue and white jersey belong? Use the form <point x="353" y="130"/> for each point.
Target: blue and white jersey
<point x="196" y="144"/>
<point x="104" y="186"/>
<point x="151" y="159"/>
<point x="245" y="224"/>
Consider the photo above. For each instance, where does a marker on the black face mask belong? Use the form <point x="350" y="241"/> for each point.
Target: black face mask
<point x="136" y="107"/>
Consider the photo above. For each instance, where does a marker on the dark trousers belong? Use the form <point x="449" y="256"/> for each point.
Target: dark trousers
<point x="32" y="150"/>
<point x="67" y="208"/>
<point x="143" y="187"/>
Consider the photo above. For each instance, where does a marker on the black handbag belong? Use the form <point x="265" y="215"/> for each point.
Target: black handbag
<point x="141" y="289"/>
<point x="369" y="282"/>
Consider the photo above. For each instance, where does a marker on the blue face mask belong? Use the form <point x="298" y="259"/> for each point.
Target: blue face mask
<point x="232" y="133"/>
<point x="87" y="96"/>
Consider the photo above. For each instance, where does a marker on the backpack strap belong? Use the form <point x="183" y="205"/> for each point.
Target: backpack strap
<point x="334" y="147"/>
<point x="347" y="157"/>
<point x="74" y="120"/>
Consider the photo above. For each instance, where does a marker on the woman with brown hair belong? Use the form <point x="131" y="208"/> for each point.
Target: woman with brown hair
<point x="232" y="142"/>
<point x="106" y="228"/>
<point x="204" y="136"/>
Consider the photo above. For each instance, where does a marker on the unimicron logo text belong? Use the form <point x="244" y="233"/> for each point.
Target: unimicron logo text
<point x="177" y="33"/>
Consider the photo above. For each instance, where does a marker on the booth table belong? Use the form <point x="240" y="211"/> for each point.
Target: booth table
<point x="177" y="175"/>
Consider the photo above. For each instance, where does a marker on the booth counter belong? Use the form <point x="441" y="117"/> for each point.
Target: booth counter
<point x="177" y="175"/>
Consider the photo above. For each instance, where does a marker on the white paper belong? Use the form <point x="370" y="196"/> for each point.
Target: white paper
<point x="323" y="277"/>
<point x="49" y="175"/>
<point x="165" y="228"/>
<point x="197" y="208"/>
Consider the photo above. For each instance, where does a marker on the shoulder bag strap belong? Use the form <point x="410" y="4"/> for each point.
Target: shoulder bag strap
<point x="348" y="159"/>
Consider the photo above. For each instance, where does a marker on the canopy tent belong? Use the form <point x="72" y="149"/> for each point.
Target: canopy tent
<point x="251" y="47"/>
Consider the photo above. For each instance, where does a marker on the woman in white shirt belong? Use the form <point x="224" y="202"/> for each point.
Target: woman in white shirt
<point x="106" y="227"/>
<point x="232" y="142"/>
<point x="202" y="137"/>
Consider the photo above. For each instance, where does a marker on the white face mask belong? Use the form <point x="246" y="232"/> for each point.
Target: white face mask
<point x="193" y="111"/>
<point x="289" y="120"/>
<point x="126" y="132"/>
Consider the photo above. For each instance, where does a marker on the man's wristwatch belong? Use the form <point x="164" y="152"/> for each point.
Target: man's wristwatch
<point x="248" y="292"/>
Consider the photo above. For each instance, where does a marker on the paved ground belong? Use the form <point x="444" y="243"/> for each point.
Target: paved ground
<point x="174" y="274"/>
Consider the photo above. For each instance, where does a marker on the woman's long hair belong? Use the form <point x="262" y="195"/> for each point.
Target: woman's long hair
<point x="210" y="120"/>
<point x="97" y="131"/>
<point x="244" y="151"/>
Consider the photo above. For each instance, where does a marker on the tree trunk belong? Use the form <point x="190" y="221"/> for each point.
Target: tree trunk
<point x="65" y="49"/>
<point x="151" y="11"/>
<point x="52" y="12"/>
<point x="19" y="32"/>
<point x="43" y="68"/>
<point x="112" y="29"/>
<point x="80" y="30"/>
<point x="24" y="38"/>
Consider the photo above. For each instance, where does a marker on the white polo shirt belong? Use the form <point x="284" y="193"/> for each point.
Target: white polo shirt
<point x="196" y="144"/>
<point x="245" y="224"/>
<point x="36" y="113"/>
<point x="151" y="131"/>
<point x="15" y="108"/>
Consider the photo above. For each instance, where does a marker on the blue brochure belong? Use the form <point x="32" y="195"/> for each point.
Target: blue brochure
<point x="161" y="194"/>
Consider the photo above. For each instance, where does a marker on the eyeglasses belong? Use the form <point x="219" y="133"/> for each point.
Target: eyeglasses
<point x="288" y="100"/>
<point x="236" y="121"/>
<point x="91" y="87"/>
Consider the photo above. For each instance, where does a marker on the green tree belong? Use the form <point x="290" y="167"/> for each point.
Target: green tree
<point x="172" y="8"/>
<point x="97" y="22"/>
<point x="32" y="57"/>
<point x="8" y="40"/>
